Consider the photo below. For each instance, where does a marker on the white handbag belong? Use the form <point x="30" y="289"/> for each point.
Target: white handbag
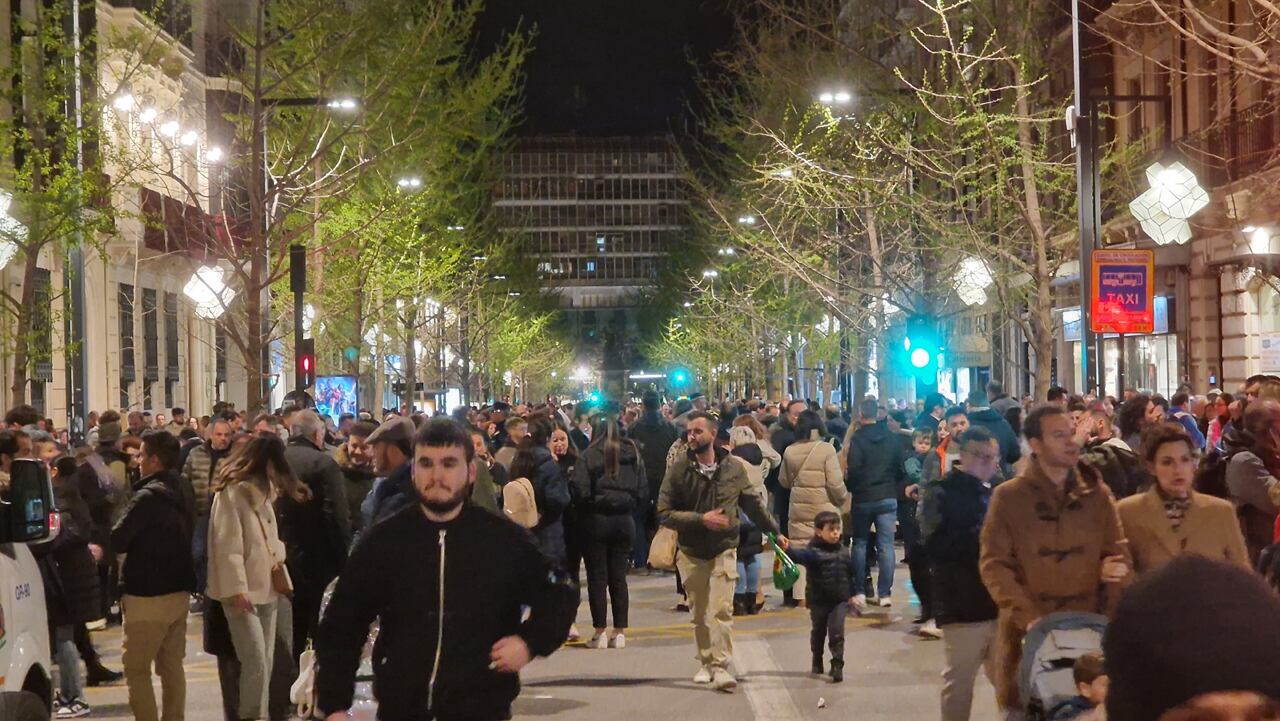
<point x="303" y="691"/>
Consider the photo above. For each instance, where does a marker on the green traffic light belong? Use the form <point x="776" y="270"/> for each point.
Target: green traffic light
<point x="920" y="357"/>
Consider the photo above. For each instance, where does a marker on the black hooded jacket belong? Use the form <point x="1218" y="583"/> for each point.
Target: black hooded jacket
<point x="877" y="464"/>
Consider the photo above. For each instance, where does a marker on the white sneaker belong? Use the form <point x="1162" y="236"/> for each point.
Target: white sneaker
<point x="599" y="640"/>
<point x="702" y="676"/>
<point x="723" y="680"/>
<point x="886" y="602"/>
<point x="573" y="633"/>
<point x="859" y="603"/>
<point x="618" y="641"/>
<point x="930" y="629"/>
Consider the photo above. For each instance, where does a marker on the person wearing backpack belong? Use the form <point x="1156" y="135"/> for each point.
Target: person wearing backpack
<point x="1112" y="457"/>
<point x="535" y="462"/>
<point x="610" y="480"/>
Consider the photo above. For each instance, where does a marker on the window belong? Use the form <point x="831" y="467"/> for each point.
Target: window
<point x="219" y="359"/>
<point x="150" y="344"/>
<point x="1134" y="87"/>
<point x="128" y="371"/>
<point x="591" y="266"/>
<point x="173" y="368"/>
<point x="40" y="347"/>
<point x="1209" y="103"/>
<point x="600" y="243"/>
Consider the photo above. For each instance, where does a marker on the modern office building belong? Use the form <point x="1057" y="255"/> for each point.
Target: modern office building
<point x="601" y="216"/>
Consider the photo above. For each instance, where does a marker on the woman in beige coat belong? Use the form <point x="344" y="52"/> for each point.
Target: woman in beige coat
<point x="244" y="551"/>
<point x="811" y="469"/>
<point x="1170" y="518"/>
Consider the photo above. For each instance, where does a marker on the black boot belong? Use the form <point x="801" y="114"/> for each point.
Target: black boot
<point x="837" y="670"/>
<point x="739" y="604"/>
<point x="817" y="665"/>
<point x="99" y="675"/>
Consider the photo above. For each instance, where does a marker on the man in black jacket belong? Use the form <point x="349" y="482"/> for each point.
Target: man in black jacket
<point x="318" y="532"/>
<point x="952" y="513"/>
<point x="982" y="415"/>
<point x="470" y="568"/>
<point x="876" y="478"/>
<point x="654" y="435"/>
<point x="158" y="578"/>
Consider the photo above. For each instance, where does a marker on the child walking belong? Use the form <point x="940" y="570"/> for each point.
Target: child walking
<point x="828" y="590"/>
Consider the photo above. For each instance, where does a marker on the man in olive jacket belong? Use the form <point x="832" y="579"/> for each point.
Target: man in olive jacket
<point x="701" y="496"/>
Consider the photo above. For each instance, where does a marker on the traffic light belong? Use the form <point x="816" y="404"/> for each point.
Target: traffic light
<point x="595" y="396"/>
<point x="922" y="352"/>
<point x="307" y="363"/>
<point x="679" y="377"/>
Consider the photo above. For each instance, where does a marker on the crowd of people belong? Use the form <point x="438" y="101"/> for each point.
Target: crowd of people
<point x="1008" y="511"/>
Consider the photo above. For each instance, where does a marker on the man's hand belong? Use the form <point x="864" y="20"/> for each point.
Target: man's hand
<point x="912" y="491"/>
<point x="715" y="520"/>
<point x="241" y="602"/>
<point x="783" y="542"/>
<point x="96" y="551"/>
<point x="509" y="655"/>
<point x="1114" y="569"/>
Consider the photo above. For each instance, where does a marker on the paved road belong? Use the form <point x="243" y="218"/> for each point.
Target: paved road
<point x="890" y="674"/>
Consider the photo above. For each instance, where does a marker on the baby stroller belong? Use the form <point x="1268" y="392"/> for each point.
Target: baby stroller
<point x="363" y="705"/>
<point x="1049" y="652"/>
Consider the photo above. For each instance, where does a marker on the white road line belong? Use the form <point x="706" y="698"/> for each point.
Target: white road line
<point x="768" y="695"/>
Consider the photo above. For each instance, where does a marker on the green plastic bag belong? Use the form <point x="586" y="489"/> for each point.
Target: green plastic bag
<point x="785" y="571"/>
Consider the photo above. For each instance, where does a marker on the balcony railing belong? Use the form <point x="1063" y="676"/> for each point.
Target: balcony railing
<point x="1235" y="148"/>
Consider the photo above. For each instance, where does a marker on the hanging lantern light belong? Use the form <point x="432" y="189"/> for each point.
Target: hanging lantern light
<point x="208" y="292"/>
<point x="11" y="231"/>
<point x="972" y="279"/>
<point x="1164" y="209"/>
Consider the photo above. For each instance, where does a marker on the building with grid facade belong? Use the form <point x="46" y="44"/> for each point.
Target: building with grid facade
<point x="600" y="216"/>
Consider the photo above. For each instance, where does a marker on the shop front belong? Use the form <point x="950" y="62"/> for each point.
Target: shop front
<point x="1149" y="363"/>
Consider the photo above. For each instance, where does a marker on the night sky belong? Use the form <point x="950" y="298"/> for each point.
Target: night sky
<point x="612" y="67"/>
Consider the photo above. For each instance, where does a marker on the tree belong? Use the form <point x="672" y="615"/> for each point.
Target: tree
<point x="335" y="103"/>
<point x="945" y="170"/>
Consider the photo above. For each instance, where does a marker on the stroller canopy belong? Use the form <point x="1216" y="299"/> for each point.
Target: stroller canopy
<point x="1049" y="652"/>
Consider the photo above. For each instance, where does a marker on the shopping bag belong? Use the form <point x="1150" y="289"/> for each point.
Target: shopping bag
<point x="785" y="571"/>
<point x="662" y="552"/>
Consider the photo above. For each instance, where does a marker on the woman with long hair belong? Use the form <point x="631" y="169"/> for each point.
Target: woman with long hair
<point x="247" y="575"/>
<point x="1219" y="419"/>
<point x="611" y="482"/>
<point x="566" y="455"/>
<point x="535" y="462"/>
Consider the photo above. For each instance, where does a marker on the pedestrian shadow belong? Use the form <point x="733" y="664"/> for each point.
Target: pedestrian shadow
<point x="544" y="706"/>
<point x="776" y="674"/>
<point x="112" y="709"/>
<point x="608" y="682"/>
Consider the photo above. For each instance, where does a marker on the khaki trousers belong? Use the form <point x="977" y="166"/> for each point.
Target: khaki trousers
<point x="968" y="647"/>
<point x="709" y="583"/>
<point x="155" y="632"/>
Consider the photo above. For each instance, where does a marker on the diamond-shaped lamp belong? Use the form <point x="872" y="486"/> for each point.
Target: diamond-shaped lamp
<point x="208" y="292"/>
<point x="972" y="279"/>
<point x="10" y="229"/>
<point x="1174" y="196"/>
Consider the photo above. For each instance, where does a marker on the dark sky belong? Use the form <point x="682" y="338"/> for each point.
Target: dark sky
<point x="612" y="67"/>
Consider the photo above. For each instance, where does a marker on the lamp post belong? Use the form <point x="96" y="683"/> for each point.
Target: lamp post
<point x="1163" y="210"/>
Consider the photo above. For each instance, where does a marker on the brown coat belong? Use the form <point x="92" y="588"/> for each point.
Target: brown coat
<point x="1042" y="551"/>
<point x="1209" y="529"/>
<point x="812" y="472"/>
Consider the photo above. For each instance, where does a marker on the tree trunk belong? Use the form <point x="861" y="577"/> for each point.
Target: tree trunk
<point x="410" y="363"/>
<point x="21" y="354"/>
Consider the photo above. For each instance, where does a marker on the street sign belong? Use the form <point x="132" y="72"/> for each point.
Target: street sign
<point x="1123" y="291"/>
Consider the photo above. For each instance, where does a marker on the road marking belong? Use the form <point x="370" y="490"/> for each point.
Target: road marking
<point x="766" y="691"/>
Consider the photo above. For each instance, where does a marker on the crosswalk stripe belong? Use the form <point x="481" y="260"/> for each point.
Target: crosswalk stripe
<point x="764" y="688"/>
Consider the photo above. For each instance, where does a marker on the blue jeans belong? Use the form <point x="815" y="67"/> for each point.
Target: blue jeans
<point x="885" y="515"/>
<point x="70" y="684"/>
<point x="748" y="576"/>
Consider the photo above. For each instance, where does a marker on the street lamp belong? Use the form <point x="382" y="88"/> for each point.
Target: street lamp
<point x="342" y="104"/>
<point x="746" y="220"/>
<point x="409" y="183"/>
<point x="208" y="292"/>
<point x="215" y="155"/>
<point x="710" y="273"/>
<point x="123" y="99"/>
<point x="726" y="251"/>
<point x="835" y="97"/>
<point x="148" y="114"/>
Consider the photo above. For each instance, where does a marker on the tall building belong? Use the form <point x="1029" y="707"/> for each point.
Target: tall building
<point x="601" y="216"/>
